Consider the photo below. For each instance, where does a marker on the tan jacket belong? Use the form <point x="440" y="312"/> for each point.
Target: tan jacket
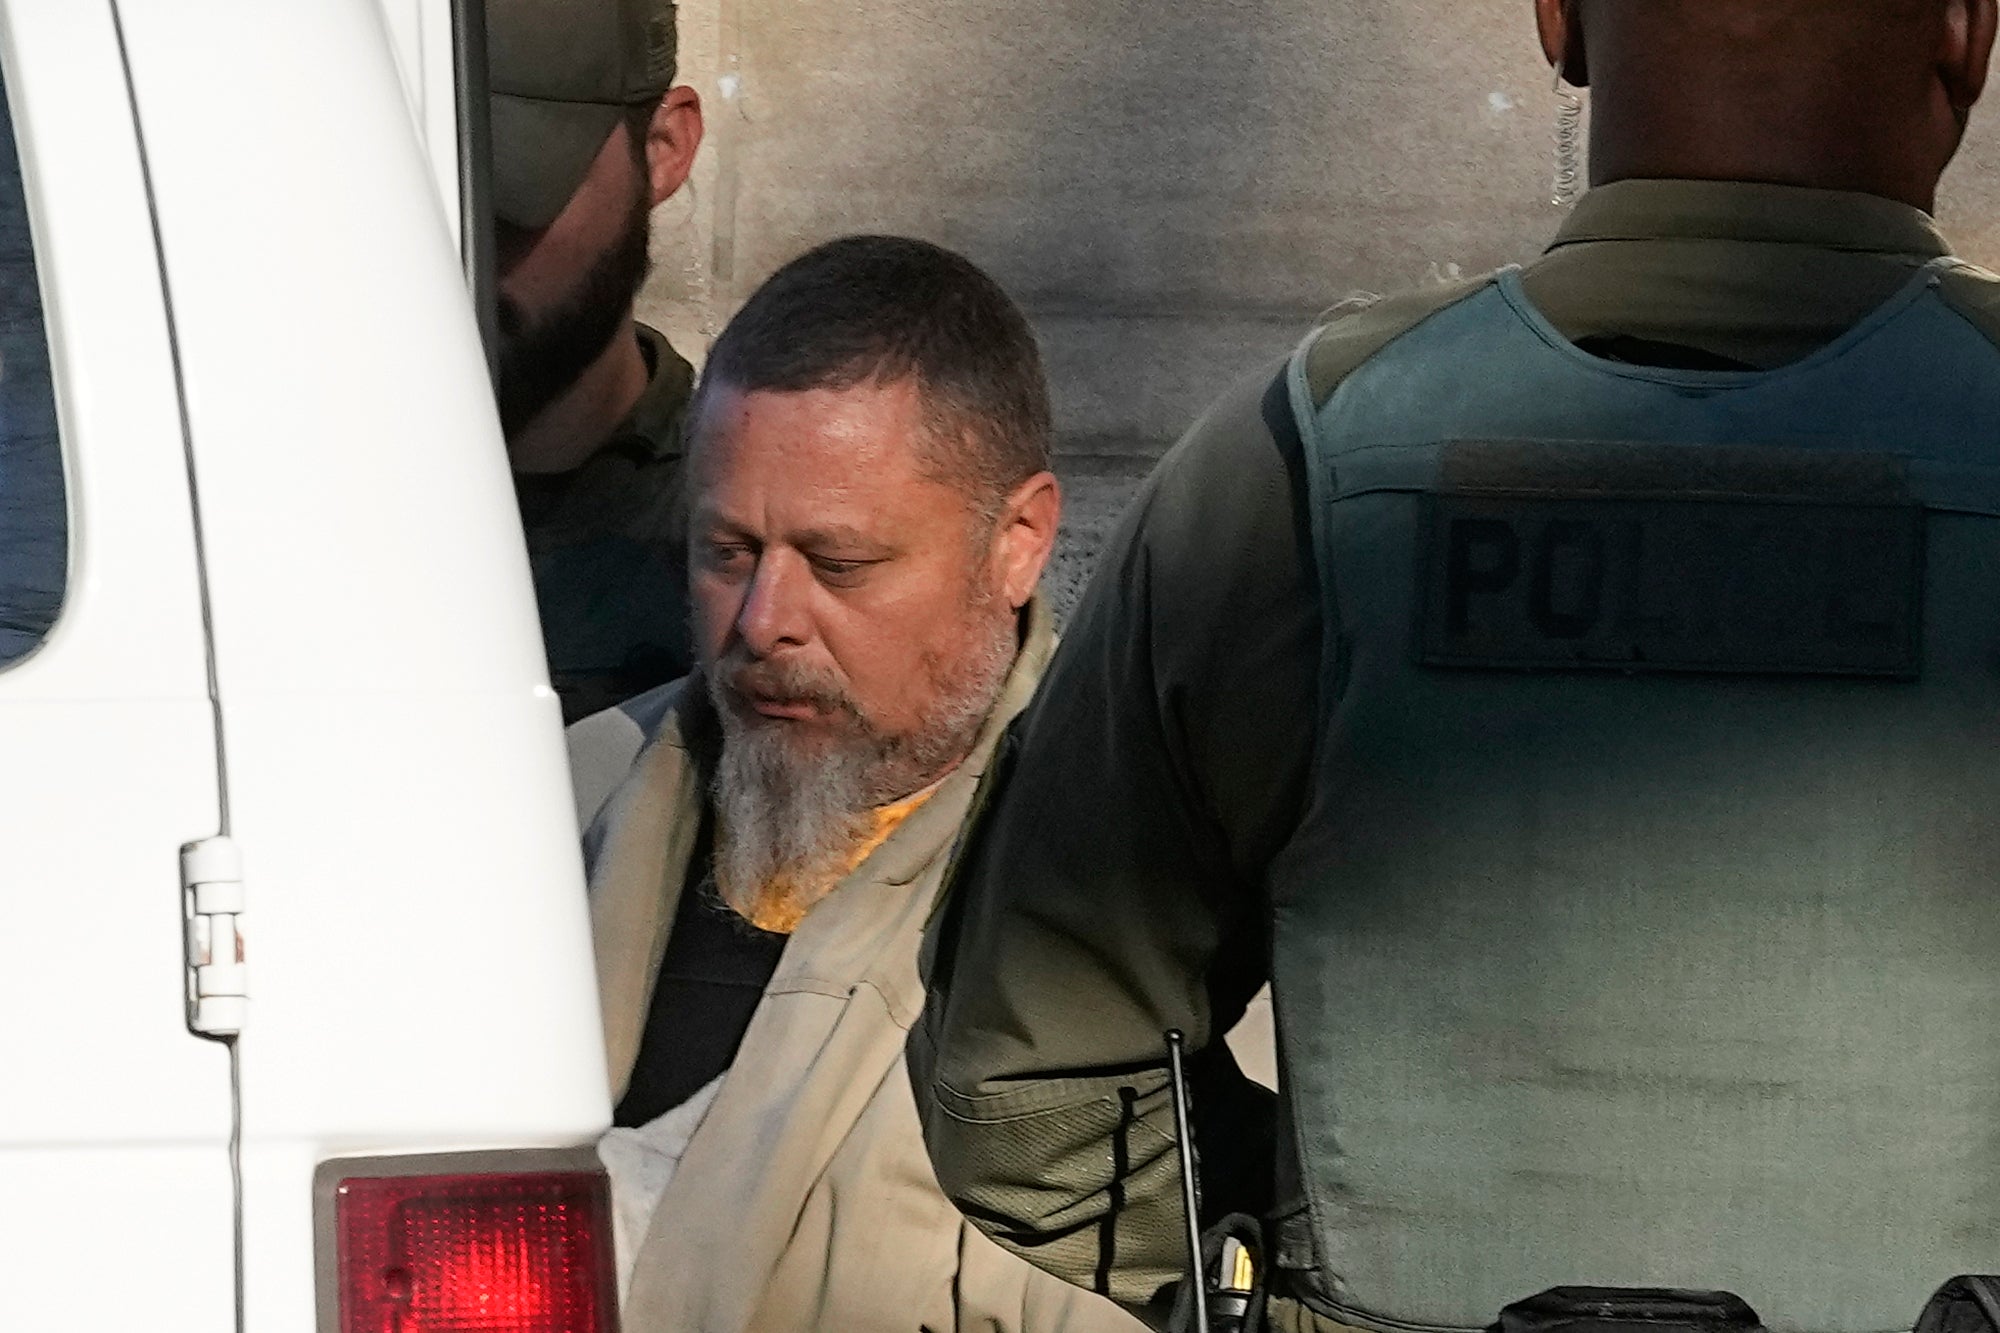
<point x="805" y="1199"/>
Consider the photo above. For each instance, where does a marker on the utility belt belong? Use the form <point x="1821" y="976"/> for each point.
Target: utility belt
<point x="1966" y="1304"/>
<point x="1255" y="1277"/>
<point x="1233" y="1285"/>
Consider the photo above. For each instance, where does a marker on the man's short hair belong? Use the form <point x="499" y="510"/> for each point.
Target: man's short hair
<point x="884" y="309"/>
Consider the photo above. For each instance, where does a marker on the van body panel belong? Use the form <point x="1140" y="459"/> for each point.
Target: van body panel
<point x="418" y="953"/>
<point x="114" y="1126"/>
<point x="102" y="1238"/>
<point x="425" y="979"/>
<point x="420" y="32"/>
<point x="357" y="507"/>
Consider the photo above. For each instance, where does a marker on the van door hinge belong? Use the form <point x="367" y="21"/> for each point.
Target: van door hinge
<point x="212" y="901"/>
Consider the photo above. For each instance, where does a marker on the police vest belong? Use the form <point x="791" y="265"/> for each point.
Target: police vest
<point x="1644" y="929"/>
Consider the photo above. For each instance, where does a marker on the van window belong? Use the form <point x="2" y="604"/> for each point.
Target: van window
<point x="34" y="527"/>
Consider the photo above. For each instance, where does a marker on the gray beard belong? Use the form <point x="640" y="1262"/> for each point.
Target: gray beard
<point x="789" y="815"/>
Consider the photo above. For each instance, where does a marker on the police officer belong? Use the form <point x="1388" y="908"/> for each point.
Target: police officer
<point x="1577" y="691"/>
<point x="589" y="133"/>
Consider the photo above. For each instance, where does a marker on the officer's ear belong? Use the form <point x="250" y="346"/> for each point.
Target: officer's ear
<point x="672" y="137"/>
<point x="1965" y="50"/>
<point x="1560" y="23"/>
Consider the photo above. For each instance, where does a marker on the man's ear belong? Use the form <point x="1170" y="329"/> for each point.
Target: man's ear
<point x="1024" y="536"/>
<point x="1560" y="23"/>
<point x="671" y="141"/>
<point x="1966" y="52"/>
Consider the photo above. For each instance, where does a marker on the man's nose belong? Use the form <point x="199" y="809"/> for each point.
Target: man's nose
<point x="774" y="613"/>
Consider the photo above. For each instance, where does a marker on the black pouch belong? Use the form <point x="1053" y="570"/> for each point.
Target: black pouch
<point x="1629" y="1310"/>
<point x="1231" y="1309"/>
<point x="1963" y="1305"/>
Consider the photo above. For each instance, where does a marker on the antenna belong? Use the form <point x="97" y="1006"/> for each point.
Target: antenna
<point x="1190" y="1193"/>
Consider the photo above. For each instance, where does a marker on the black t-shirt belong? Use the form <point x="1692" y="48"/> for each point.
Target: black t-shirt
<point x="714" y="973"/>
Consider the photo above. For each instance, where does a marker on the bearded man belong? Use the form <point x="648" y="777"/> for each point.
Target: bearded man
<point x="871" y="509"/>
<point x="589" y="135"/>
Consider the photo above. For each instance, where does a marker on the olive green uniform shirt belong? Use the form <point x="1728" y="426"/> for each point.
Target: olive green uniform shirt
<point x="606" y="544"/>
<point x="1115" y="888"/>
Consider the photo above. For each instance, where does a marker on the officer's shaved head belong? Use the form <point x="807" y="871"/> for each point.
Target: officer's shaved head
<point x="1867" y="95"/>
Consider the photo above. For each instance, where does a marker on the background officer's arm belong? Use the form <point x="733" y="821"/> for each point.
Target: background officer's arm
<point x="1112" y="891"/>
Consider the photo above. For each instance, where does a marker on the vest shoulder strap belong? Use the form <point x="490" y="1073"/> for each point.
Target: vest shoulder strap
<point x="1334" y="350"/>
<point x="1973" y="294"/>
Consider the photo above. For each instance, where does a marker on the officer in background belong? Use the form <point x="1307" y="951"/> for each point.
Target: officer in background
<point x="1578" y="690"/>
<point x="589" y="134"/>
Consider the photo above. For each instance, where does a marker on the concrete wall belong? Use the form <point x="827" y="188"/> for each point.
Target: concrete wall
<point x="1172" y="190"/>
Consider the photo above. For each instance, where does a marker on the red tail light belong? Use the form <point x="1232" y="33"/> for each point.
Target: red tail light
<point x="513" y="1253"/>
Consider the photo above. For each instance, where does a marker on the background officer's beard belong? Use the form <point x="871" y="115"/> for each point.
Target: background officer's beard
<point x="542" y="355"/>
<point x="790" y="811"/>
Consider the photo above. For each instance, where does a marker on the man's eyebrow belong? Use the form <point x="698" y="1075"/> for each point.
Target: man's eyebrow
<point x="837" y="534"/>
<point x="708" y="516"/>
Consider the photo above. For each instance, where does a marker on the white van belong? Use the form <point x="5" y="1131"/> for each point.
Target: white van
<point x="300" y="1025"/>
